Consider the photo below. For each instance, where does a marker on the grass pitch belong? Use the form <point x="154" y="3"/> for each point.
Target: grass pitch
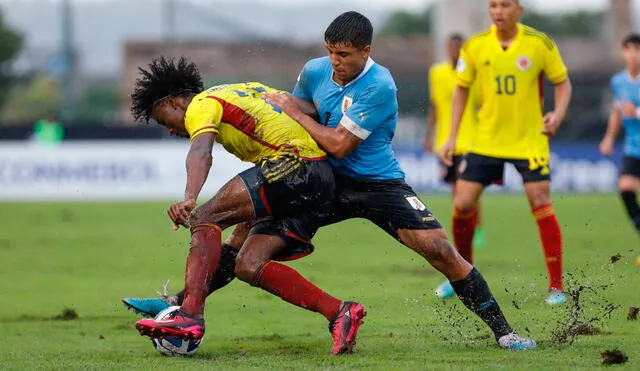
<point x="87" y="256"/>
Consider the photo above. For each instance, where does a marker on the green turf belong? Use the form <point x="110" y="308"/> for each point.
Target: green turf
<point x="88" y="256"/>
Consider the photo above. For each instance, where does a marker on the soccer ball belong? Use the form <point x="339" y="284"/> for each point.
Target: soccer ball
<point x="174" y="346"/>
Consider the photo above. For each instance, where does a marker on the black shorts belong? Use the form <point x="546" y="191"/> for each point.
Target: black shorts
<point x="296" y="231"/>
<point x="630" y="166"/>
<point x="449" y="174"/>
<point x="288" y="185"/>
<point x="490" y="170"/>
<point x="290" y="197"/>
<point x="390" y="204"/>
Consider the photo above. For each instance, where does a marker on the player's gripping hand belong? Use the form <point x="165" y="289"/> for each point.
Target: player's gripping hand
<point x="627" y="109"/>
<point x="606" y="147"/>
<point x="551" y="124"/>
<point x="286" y="102"/>
<point x="446" y="152"/>
<point x="179" y="213"/>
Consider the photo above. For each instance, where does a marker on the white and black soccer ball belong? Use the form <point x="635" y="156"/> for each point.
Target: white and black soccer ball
<point x="172" y="346"/>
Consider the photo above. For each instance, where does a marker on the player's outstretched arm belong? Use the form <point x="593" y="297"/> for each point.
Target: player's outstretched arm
<point x="460" y="98"/>
<point x="553" y="120"/>
<point x="613" y="128"/>
<point x="339" y="142"/>
<point x="305" y="106"/>
<point x="199" y="160"/>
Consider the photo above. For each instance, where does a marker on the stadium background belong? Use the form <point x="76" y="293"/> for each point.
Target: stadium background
<point x="78" y="60"/>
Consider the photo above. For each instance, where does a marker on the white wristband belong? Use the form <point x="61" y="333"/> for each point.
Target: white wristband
<point x="638" y="112"/>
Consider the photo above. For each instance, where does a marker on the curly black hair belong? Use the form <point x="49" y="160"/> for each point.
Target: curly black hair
<point x="164" y="78"/>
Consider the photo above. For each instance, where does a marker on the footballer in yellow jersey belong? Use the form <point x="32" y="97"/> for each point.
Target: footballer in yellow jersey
<point x="508" y="62"/>
<point x="442" y="84"/>
<point x="280" y="200"/>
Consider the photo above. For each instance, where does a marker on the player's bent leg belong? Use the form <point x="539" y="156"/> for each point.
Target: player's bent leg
<point x="464" y="223"/>
<point x="466" y="281"/>
<point x="539" y="196"/>
<point x="231" y="205"/>
<point x="255" y="267"/>
<point x="629" y="186"/>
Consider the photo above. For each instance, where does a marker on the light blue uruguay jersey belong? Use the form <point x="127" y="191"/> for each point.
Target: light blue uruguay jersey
<point x="625" y="88"/>
<point x="367" y="107"/>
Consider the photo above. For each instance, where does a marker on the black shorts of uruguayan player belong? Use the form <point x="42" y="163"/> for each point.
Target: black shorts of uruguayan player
<point x="630" y="166"/>
<point x="490" y="170"/>
<point x="389" y="204"/>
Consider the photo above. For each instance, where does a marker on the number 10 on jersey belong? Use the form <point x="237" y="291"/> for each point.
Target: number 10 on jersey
<point x="506" y="84"/>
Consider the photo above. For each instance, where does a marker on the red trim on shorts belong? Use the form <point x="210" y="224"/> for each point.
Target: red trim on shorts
<point x="295" y="236"/>
<point x="263" y="197"/>
<point x="293" y="257"/>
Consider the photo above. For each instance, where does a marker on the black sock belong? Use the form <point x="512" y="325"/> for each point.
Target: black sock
<point x="633" y="209"/>
<point x="474" y="293"/>
<point x="223" y="275"/>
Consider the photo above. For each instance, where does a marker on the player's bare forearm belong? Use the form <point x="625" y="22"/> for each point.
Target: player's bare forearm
<point x="305" y="106"/>
<point x="613" y="125"/>
<point x="460" y="98"/>
<point x="563" y="91"/>
<point x="431" y="128"/>
<point x="199" y="160"/>
<point x="339" y="142"/>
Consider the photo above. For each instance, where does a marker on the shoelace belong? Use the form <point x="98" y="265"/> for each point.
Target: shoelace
<point x="165" y="292"/>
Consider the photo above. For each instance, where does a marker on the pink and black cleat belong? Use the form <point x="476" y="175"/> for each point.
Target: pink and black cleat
<point x="344" y="327"/>
<point x="179" y="325"/>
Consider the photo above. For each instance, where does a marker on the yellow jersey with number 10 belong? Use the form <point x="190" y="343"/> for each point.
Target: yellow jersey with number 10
<point x="510" y="117"/>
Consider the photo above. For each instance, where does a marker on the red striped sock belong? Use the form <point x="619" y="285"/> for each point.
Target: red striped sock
<point x="551" y="237"/>
<point x="464" y="226"/>
<point x="202" y="262"/>
<point x="291" y="287"/>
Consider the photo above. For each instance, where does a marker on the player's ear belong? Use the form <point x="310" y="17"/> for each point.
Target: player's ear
<point x="366" y="50"/>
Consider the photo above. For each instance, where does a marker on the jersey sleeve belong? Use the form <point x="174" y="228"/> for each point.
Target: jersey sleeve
<point x="203" y="116"/>
<point x="303" y="86"/>
<point x="466" y="68"/>
<point x="554" y="67"/>
<point x="371" y="108"/>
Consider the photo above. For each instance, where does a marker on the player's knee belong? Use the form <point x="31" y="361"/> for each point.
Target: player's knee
<point x="248" y="269"/>
<point x="464" y="202"/>
<point x="539" y="200"/>
<point x="435" y="246"/>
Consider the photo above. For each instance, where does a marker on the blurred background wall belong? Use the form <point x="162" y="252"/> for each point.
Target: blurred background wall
<point x="74" y="62"/>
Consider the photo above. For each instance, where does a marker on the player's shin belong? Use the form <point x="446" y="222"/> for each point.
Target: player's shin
<point x="631" y="205"/>
<point x="474" y="293"/>
<point x="551" y="237"/>
<point x="464" y="225"/>
<point x="203" y="259"/>
<point x="291" y="287"/>
<point x="222" y="276"/>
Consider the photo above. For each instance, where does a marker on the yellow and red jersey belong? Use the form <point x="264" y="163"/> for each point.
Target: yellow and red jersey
<point x="247" y="125"/>
<point x="510" y="82"/>
<point x="442" y="84"/>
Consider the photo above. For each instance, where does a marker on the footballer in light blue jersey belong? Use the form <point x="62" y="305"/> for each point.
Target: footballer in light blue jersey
<point x="354" y="100"/>
<point x="366" y="106"/>
<point x="625" y="88"/>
